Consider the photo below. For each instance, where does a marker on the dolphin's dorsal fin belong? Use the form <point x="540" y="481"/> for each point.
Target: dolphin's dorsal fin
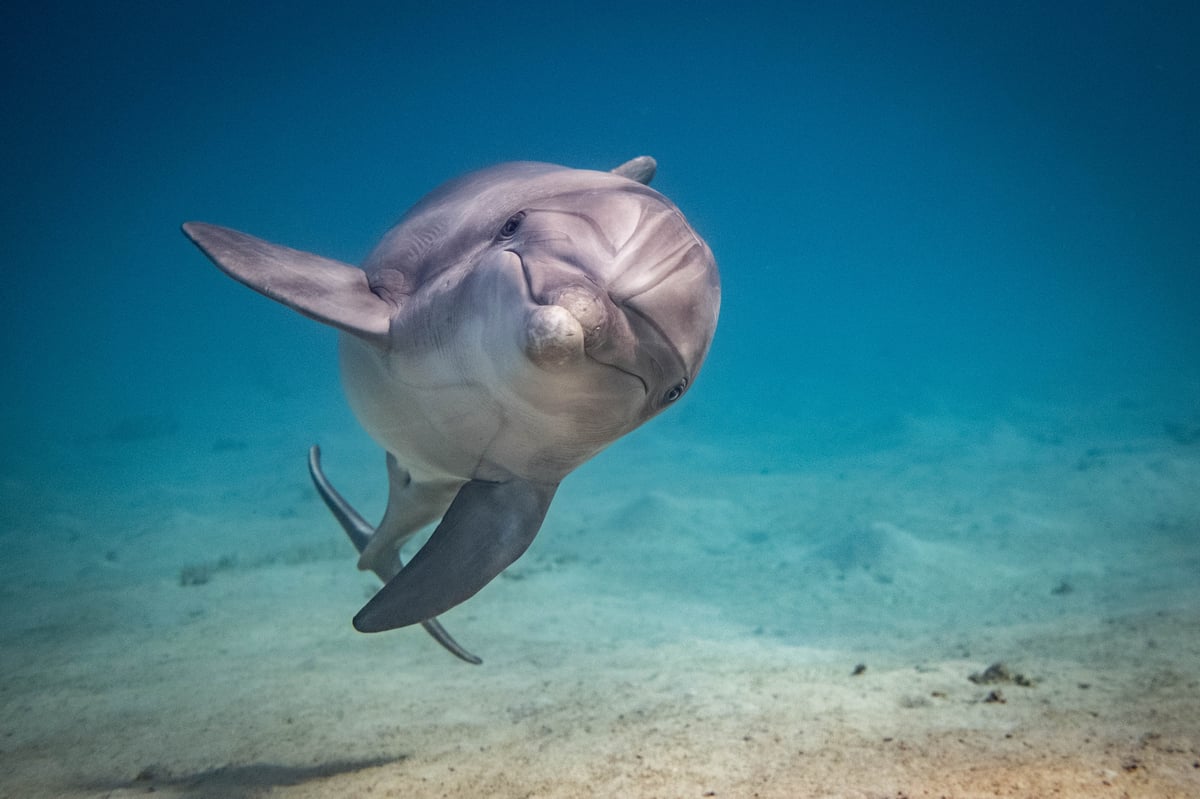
<point x="323" y="289"/>
<point x="641" y="169"/>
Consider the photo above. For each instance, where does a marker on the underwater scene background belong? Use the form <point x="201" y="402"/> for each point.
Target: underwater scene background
<point x="927" y="524"/>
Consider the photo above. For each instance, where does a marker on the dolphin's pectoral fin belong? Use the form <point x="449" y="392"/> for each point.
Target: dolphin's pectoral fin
<point x="487" y="527"/>
<point x="641" y="169"/>
<point x="323" y="289"/>
<point x="360" y="533"/>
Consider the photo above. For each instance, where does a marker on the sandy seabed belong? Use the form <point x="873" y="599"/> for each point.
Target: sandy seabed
<point x="699" y="617"/>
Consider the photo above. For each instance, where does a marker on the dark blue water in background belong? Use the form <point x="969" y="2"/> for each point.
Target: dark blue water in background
<point x="915" y="206"/>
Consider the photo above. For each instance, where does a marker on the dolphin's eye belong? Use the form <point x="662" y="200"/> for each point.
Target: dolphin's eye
<point x="675" y="392"/>
<point x="510" y="227"/>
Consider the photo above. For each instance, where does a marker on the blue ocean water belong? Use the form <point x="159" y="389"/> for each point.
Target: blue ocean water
<point x="937" y="224"/>
<point x="904" y="199"/>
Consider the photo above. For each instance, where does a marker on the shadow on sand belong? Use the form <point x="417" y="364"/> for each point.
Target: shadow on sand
<point x="236" y="782"/>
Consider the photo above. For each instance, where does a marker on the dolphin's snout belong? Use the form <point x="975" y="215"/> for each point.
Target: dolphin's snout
<point x="553" y="337"/>
<point x="587" y="305"/>
<point x="575" y="320"/>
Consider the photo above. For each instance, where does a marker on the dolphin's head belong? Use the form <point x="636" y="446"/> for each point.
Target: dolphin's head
<point x="620" y="266"/>
<point x="581" y="302"/>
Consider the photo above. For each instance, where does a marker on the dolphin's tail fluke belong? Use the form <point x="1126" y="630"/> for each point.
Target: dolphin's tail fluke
<point x="487" y="527"/>
<point x="360" y="532"/>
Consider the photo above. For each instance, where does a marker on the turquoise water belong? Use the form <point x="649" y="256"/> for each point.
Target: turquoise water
<point x="907" y="203"/>
<point x="960" y="254"/>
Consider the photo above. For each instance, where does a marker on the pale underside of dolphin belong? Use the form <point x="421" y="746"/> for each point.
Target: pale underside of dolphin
<point x="515" y="322"/>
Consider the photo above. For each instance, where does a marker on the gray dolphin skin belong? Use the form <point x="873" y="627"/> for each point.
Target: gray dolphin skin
<point x="515" y="322"/>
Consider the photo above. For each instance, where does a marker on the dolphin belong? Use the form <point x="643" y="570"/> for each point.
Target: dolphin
<point x="513" y="323"/>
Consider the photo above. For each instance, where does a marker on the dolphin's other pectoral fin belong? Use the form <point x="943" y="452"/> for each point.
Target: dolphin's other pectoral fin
<point x="641" y="169"/>
<point x="487" y="527"/>
<point x="323" y="289"/>
<point x="360" y="533"/>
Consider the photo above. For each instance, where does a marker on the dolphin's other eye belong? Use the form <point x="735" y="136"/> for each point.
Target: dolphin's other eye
<point x="510" y="227"/>
<point x="675" y="392"/>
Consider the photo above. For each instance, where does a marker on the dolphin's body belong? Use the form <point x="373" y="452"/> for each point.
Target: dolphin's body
<point x="516" y="321"/>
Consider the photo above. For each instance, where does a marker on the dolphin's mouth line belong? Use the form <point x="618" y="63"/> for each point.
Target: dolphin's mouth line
<point x="637" y="377"/>
<point x="529" y="295"/>
<point x="672" y="350"/>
